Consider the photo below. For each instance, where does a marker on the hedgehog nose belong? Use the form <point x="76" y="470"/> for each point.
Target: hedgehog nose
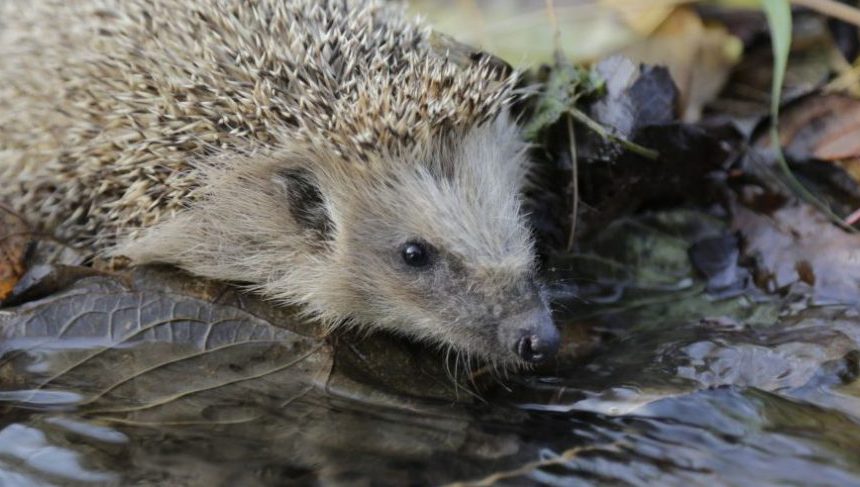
<point x="539" y="342"/>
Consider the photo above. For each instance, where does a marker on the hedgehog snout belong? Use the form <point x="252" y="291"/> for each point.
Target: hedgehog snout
<point x="536" y="339"/>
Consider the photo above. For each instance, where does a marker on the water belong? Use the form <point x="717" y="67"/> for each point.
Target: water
<point x="665" y="378"/>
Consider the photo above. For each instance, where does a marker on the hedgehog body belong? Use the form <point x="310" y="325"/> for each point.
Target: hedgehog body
<point x="324" y="153"/>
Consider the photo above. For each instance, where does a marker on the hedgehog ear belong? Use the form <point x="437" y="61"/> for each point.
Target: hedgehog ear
<point x="307" y="204"/>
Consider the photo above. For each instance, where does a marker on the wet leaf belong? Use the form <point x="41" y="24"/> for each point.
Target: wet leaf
<point x="636" y="257"/>
<point x="717" y="259"/>
<point x="779" y="359"/>
<point x="689" y="156"/>
<point x="796" y="245"/>
<point x="150" y="357"/>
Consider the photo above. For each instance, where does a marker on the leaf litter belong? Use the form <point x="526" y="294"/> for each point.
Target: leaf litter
<point x="14" y="241"/>
<point x="710" y="313"/>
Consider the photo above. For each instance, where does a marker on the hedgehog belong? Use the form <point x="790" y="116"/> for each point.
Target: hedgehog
<point x="322" y="153"/>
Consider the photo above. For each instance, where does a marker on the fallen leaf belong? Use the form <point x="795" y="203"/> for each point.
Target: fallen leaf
<point x="522" y="33"/>
<point x="797" y="245"/>
<point x="699" y="56"/>
<point x="636" y="96"/>
<point x="716" y="258"/>
<point x="823" y="127"/>
<point x="843" y="141"/>
<point x="851" y="167"/>
<point x="14" y="241"/>
<point x="151" y="357"/>
<point x="747" y="94"/>
<point x="644" y="16"/>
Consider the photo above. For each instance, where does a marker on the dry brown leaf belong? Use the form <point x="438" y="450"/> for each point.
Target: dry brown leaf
<point x="14" y="239"/>
<point x="522" y="32"/>
<point x="699" y="56"/>
<point x="842" y="142"/>
<point x="826" y="128"/>
<point x="643" y="16"/>
<point x="851" y="166"/>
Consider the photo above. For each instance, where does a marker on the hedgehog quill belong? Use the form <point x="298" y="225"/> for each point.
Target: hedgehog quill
<point x="322" y="153"/>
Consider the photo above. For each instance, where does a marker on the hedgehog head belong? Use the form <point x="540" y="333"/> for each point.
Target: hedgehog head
<point x="430" y="243"/>
<point x="437" y="247"/>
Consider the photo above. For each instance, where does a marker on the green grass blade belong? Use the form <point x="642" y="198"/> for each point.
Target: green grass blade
<point x="779" y="21"/>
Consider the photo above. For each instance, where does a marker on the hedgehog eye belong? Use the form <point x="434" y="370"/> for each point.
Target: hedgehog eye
<point x="415" y="254"/>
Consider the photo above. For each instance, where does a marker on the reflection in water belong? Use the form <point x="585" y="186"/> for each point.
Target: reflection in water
<point x="28" y="457"/>
<point x="105" y="384"/>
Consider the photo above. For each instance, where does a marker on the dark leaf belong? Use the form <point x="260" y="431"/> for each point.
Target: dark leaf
<point x="717" y="259"/>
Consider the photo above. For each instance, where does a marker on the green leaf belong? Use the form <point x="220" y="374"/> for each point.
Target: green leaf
<point x="779" y="20"/>
<point x="565" y="85"/>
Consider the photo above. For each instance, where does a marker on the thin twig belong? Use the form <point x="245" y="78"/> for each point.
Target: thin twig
<point x="600" y="130"/>
<point x="574" y="211"/>
<point x="559" y="59"/>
